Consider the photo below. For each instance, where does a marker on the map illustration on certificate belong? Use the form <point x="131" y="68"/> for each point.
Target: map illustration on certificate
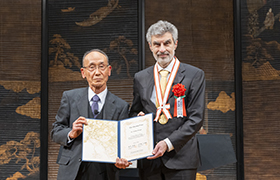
<point x="105" y="140"/>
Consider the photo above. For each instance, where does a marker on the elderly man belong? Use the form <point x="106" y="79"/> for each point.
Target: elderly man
<point x="94" y="101"/>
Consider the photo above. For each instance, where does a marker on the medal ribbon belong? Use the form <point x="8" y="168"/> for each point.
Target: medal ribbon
<point x="163" y="107"/>
<point x="179" y="107"/>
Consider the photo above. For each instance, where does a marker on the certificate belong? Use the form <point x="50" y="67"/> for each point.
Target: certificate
<point x="105" y="140"/>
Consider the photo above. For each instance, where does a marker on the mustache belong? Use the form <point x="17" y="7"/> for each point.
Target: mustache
<point x="163" y="53"/>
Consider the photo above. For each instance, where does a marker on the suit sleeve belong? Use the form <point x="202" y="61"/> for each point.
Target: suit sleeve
<point x="61" y="127"/>
<point x="195" y="102"/>
<point x="125" y="112"/>
<point x="136" y="106"/>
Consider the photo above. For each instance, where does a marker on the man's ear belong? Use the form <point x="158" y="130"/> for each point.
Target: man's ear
<point x="150" y="46"/>
<point x="110" y="69"/>
<point x="83" y="73"/>
<point x="176" y="44"/>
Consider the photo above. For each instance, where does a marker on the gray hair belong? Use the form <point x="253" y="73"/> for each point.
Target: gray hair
<point x="160" y="28"/>
<point x="95" y="50"/>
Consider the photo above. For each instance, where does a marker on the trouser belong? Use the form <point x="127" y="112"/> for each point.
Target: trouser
<point x="90" y="171"/>
<point x="155" y="170"/>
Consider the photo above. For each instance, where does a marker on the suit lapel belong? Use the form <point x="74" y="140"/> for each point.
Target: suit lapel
<point x="82" y="103"/>
<point x="148" y="88"/>
<point x="178" y="79"/>
<point x="109" y="106"/>
<point x="150" y="83"/>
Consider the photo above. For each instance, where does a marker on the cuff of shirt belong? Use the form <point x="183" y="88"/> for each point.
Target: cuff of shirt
<point x="69" y="139"/>
<point x="169" y="144"/>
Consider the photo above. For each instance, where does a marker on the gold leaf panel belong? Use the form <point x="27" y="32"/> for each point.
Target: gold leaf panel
<point x="253" y="5"/>
<point x="22" y="151"/>
<point x="223" y="102"/>
<point x="100" y="14"/>
<point x="264" y="72"/>
<point x="16" y="176"/>
<point x="31" y="87"/>
<point x="61" y="74"/>
<point x="31" y="109"/>
<point x="69" y="9"/>
<point x="200" y="177"/>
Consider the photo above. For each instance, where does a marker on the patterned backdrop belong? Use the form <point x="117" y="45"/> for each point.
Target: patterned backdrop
<point x="206" y="40"/>
<point x="20" y="86"/>
<point x="261" y="84"/>
<point x="76" y="27"/>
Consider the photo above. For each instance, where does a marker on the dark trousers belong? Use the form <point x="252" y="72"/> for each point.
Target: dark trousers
<point x="91" y="171"/>
<point x="155" y="170"/>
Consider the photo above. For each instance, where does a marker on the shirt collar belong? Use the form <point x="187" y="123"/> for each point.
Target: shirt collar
<point x="168" y="68"/>
<point x="101" y="95"/>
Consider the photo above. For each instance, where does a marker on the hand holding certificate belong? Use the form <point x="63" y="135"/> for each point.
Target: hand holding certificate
<point x="105" y="140"/>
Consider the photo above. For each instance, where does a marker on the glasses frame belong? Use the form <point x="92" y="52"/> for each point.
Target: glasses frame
<point x="98" y="67"/>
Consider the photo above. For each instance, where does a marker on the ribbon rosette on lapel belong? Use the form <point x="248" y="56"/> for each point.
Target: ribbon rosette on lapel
<point x="179" y="93"/>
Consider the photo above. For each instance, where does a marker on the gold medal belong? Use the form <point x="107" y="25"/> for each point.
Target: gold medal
<point x="163" y="119"/>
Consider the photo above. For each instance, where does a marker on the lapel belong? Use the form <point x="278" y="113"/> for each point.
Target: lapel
<point x="82" y="102"/>
<point x="148" y="89"/>
<point x="178" y="79"/>
<point x="150" y="82"/>
<point x="109" y="106"/>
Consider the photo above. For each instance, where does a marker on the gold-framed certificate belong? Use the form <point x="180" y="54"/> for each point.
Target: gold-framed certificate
<point x="105" y="140"/>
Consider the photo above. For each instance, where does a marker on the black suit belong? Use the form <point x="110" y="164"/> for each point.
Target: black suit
<point x="74" y="103"/>
<point x="180" y="131"/>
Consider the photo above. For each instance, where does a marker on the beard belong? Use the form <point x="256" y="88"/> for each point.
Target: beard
<point x="163" y="62"/>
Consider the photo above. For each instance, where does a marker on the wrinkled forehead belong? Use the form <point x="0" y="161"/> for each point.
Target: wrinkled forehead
<point x="162" y="38"/>
<point x="95" y="58"/>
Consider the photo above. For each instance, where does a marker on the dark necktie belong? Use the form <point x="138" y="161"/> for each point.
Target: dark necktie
<point x="94" y="106"/>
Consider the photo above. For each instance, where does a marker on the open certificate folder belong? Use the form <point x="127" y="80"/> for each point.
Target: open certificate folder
<point x="105" y="140"/>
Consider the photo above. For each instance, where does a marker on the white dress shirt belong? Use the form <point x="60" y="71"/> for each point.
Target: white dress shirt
<point x="102" y="97"/>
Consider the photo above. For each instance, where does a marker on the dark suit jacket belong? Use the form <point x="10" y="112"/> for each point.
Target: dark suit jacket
<point x="180" y="131"/>
<point x="74" y="103"/>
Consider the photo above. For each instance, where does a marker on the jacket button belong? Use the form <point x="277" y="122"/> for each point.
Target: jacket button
<point x="80" y="160"/>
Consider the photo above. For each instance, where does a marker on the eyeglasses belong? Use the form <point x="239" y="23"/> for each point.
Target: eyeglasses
<point x="92" y="67"/>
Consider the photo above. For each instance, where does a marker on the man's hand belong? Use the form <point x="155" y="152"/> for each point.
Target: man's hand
<point x="122" y="163"/>
<point x="159" y="150"/>
<point x="141" y="113"/>
<point x="77" y="127"/>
